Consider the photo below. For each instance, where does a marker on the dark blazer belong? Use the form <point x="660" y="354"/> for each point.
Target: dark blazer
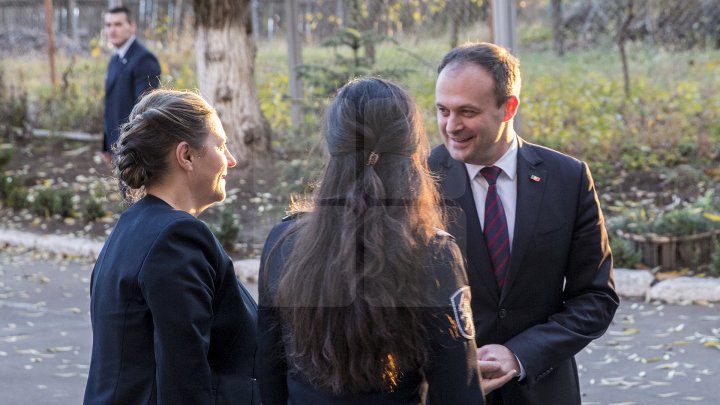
<point x="452" y="376"/>
<point x="559" y="292"/>
<point x="171" y="323"/>
<point x="127" y="79"/>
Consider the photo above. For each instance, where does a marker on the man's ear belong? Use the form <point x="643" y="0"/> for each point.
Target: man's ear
<point x="511" y="107"/>
<point x="183" y="155"/>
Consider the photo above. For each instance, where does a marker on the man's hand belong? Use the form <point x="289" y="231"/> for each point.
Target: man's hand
<point x="497" y="365"/>
<point x="490" y="369"/>
<point x="106" y="157"/>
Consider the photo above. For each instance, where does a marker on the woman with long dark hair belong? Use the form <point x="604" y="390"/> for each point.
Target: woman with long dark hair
<point x="363" y="299"/>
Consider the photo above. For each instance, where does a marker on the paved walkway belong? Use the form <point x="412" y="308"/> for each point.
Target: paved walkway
<point x="653" y="353"/>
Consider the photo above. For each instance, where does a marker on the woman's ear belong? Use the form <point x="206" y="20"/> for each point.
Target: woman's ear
<point x="183" y="155"/>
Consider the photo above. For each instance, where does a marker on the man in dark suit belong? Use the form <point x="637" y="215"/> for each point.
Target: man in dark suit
<point x="530" y="225"/>
<point x="132" y="70"/>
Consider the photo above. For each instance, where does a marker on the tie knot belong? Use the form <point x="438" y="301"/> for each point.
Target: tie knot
<point x="491" y="173"/>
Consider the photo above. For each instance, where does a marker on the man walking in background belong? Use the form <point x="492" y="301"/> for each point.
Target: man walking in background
<point x="133" y="69"/>
<point x="530" y="225"/>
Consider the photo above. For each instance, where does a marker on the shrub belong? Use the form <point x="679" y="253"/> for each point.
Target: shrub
<point x="624" y="253"/>
<point x="65" y="204"/>
<point x="74" y="105"/>
<point x="680" y="222"/>
<point x="48" y="202"/>
<point x="13" y="107"/>
<point x="685" y="220"/>
<point x="43" y="203"/>
<point x="6" y="156"/>
<point x="17" y="197"/>
<point x="13" y="193"/>
<point x="301" y="162"/>
<point x="92" y="210"/>
<point x="715" y="264"/>
<point x="228" y="231"/>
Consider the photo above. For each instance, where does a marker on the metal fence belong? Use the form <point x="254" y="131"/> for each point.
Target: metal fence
<point x="579" y="23"/>
<point x="670" y="23"/>
<point x="77" y="22"/>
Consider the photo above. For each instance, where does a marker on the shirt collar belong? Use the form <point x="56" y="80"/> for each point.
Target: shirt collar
<point x="120" y="52"/>
<point x="507" y="162"/>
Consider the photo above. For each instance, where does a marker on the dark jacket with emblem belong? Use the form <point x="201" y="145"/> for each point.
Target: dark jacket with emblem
<point x="559" y="292"/>
<point x="452" y="375"/>
<point x="127" y="79"/>
<point x="171" y="323"/>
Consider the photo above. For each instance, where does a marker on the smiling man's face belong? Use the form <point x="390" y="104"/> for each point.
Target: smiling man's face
<point x="469" y="119"/>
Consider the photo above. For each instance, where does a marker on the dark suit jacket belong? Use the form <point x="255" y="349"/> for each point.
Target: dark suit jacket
<point x="171" y="323"/>
<point x="559" y="292"/>
<point x="127" y="79"/>
<point x="452" y="376"/>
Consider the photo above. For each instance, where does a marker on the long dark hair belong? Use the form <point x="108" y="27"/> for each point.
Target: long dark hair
<point x="354" y="283"/>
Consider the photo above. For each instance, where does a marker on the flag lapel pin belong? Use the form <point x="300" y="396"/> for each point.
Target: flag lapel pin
<point x="535" y="178"/>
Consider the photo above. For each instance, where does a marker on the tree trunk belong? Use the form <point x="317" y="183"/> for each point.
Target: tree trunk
<point x="50" y="39"/>
<point x="294" y="61"/>
<point x="558" y="33"/>
<point x="71" y="21"/>
<point x="225" y="54"/>
<point x="455" y="14"/>
<point x="491" y="23"/>
<point x="625" y="17"/>
<point x="370" y="23"/>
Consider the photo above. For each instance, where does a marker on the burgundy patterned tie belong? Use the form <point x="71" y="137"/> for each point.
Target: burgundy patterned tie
<point x="495" y="228"/>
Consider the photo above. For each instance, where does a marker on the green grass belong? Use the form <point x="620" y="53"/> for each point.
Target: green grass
<point x="574" y="103"/>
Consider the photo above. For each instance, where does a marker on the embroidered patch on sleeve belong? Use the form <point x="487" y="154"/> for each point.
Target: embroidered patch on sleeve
<point x="463" y="313"/>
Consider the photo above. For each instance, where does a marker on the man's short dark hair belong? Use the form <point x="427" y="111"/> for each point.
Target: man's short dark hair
<point x="496" y="60"/>
<point x="121" y="9"/>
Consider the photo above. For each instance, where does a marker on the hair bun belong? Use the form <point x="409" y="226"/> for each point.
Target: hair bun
<point x="128" y="169"/>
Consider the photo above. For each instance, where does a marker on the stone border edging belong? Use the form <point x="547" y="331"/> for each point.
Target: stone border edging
<point x="680" y="290"/>
<point x="67" y="245"/>
<point x="628" y="283"/>
<point x="246" y="269"/>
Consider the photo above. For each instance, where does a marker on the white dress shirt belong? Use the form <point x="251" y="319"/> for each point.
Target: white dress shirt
<point x="507" y="190"/>
<point x="120" y="52"/>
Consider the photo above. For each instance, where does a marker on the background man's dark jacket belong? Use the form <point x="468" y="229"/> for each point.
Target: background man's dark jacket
<point x="127" y="79"/>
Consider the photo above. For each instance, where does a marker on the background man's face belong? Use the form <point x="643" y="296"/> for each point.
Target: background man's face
<point x="118" y="29"/>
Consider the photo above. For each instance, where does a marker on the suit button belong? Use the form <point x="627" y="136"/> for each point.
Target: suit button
<point x="502" y="313"/>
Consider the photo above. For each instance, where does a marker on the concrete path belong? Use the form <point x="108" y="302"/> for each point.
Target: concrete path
<point x="654" y="353"/>
<point x="45" y="336"/>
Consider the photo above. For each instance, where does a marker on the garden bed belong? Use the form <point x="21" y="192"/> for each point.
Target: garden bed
<point x="675" y="252"/>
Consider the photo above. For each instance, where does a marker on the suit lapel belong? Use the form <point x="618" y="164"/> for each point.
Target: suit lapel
<point x="112" y="74"/>
<point x="531" y="182"/>
<point x="468" y="231"/>
<point x="116" y="66"/>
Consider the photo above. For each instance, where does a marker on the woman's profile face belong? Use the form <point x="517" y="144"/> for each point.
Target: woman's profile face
<point x="212" y="164"/>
